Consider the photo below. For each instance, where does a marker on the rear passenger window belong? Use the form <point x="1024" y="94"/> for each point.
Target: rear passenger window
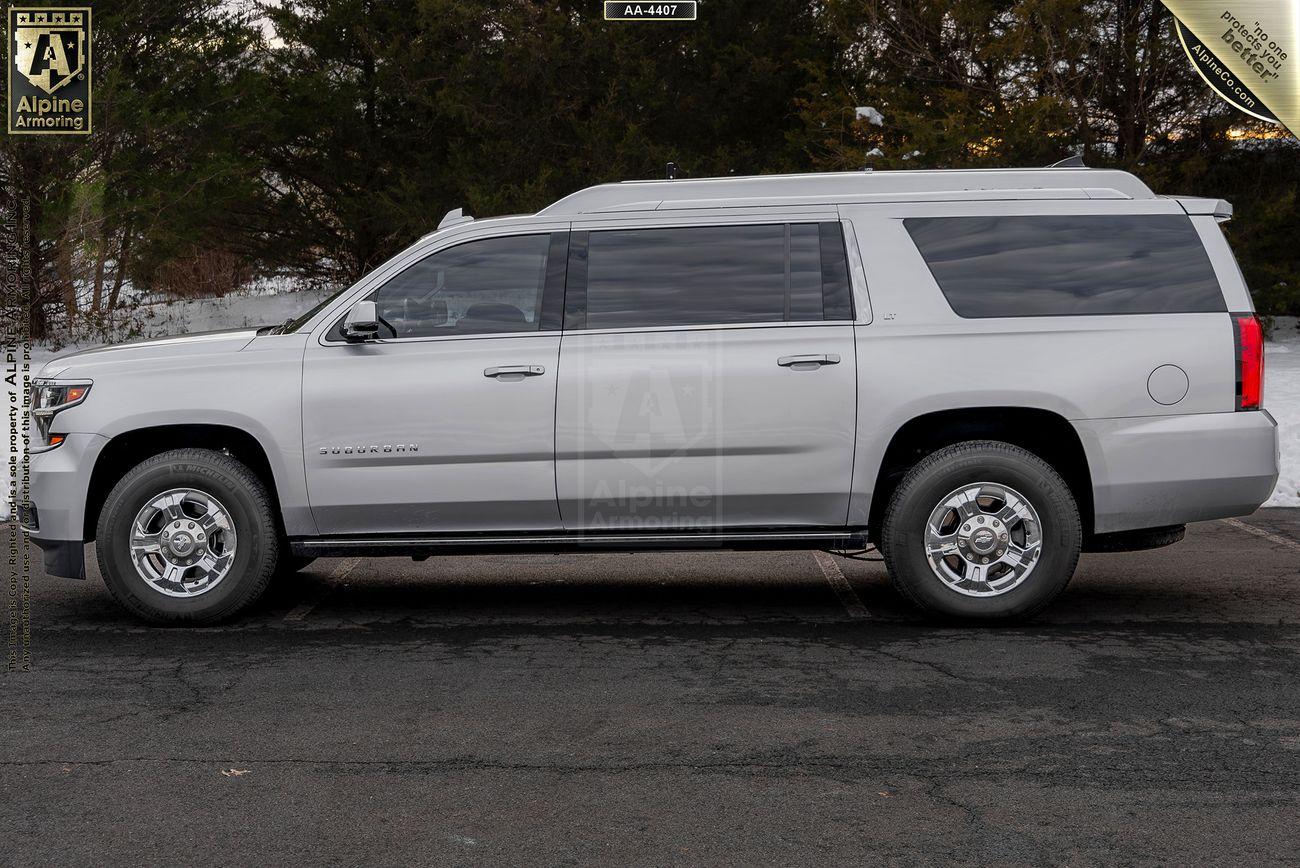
<point x="707" y="275"/>
<point x="1067" y="266"/>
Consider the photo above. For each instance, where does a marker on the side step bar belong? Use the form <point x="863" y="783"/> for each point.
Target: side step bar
<point x="468" y="544"/>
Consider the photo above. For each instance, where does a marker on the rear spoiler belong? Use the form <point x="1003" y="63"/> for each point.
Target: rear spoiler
<point x="1219" y="209"/>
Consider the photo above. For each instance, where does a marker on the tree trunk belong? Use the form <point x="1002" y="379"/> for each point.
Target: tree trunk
<point x="366" y="242"/>
<point x="66" y="283"/>
<point x="38" y="328"/>
<point x="100" y="260"/>
<point x="123" y="255"/>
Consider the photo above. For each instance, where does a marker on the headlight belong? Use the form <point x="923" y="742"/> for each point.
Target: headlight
<point x="49" y="398"/>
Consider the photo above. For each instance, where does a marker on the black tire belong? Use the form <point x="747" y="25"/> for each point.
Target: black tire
<point x="938" y="474"/>
<point x="244" y="497"/>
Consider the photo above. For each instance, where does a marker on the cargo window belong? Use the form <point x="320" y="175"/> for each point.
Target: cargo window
<point x="1067" y="266"/>
<point x="706" y="275"/>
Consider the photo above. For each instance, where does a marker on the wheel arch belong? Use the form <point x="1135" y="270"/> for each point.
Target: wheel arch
<point x="127" y="449"/>
<point x="1045" y="433"/>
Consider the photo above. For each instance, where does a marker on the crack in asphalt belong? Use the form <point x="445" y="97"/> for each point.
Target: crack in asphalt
<point x="984" y="765"/>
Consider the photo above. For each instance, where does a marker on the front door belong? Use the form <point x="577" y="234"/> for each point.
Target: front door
<point x="447" y="422"/>
<point x="707" y="379"/>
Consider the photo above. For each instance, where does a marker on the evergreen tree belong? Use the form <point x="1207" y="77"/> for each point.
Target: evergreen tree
<point x="321" y="136"/>
<point x="169" y="169"/>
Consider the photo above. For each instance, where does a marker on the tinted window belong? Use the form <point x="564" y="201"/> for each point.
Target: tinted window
<point x="805" y="274"/>
<point x="1063" y="266"/>
<point x="481" y="287"/>
<point x="698" y="276"/>
<point x="835" y="273"/>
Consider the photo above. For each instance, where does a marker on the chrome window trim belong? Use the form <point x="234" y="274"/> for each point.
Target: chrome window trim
<point x="710" y="327"/>
<point x="390" y="341"/>
<point x="857" y="275"/>
<point x="619" y="331"/>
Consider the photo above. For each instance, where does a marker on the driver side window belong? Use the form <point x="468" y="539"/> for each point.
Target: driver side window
<point x="481" y="287"/>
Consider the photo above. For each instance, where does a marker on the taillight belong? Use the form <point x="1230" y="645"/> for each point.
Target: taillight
<point x="1248" y="336"/>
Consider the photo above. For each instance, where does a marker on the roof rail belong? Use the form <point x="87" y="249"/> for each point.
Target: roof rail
<point x="844" y="186"/>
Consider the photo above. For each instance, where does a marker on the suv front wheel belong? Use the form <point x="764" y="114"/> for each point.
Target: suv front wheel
<point x="187" y="536"/>
<point x="982" y="530"/>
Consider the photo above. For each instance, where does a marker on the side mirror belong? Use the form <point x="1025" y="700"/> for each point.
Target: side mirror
<point x="362" y="322"/>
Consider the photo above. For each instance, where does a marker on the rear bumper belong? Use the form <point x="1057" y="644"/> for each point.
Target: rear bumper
<point x="1151" y="471"/>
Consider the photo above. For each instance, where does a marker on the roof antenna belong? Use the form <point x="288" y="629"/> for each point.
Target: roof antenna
<point x="454" y="217"/>
<point x="1074" y="161"/>
<point x="672" y="171"/>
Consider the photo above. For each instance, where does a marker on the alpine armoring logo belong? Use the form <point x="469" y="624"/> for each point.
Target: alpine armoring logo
<point x="49" y="71"/>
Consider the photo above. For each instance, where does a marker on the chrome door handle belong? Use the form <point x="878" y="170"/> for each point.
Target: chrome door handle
<point x="805" y="362"/>
<point x="520" y="370"/>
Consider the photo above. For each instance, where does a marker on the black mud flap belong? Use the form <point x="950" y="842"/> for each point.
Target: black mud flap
<point x="64" y="558"/>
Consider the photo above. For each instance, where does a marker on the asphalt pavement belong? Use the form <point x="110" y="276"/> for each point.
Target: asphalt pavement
<point x="653" y="709"/>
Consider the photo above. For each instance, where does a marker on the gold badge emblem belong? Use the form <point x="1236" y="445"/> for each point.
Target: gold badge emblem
<point x="49" y="70"/>
<point x="1247" y="51"/>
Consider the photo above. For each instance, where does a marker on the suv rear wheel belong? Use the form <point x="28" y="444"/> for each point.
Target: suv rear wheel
<point x="982" y="530"/>
<point x="187" y="535"/>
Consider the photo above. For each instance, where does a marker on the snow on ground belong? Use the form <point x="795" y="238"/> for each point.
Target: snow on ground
<point x="1282" y="399"/>
<point x="211" y="314"/>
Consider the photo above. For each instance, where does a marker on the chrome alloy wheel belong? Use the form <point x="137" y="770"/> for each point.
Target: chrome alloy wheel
<point x="183" y="542"/>
<point x="983" y="539"/>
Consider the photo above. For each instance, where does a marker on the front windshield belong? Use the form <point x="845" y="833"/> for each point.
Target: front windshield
<point x="301" y="320"/>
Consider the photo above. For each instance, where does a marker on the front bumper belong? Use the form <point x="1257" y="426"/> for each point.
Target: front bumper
<point x="1152" y="471"/>
<point x="59" y="484"/>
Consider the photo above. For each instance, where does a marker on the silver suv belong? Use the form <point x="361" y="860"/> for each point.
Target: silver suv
<point x="980" y="372"/>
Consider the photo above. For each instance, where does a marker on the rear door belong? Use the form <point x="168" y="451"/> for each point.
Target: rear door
<point x="707" y="376"/>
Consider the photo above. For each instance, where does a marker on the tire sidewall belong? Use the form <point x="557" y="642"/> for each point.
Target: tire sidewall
<point x="1045" y="491"/>
<point x="254" y="557"/>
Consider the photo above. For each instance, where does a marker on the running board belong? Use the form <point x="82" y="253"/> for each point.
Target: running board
<point x="423" y="546"/>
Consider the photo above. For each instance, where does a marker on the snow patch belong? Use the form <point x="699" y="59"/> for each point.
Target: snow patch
<point x="870" y="115"/>
<point x="1282" y="399"/>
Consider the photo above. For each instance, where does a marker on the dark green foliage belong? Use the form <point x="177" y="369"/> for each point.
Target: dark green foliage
<point x="391" y="113"/>
<point x="172" y="167"/>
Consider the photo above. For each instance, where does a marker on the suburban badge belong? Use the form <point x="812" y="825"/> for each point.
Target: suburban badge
<point x="369" y="450"/>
